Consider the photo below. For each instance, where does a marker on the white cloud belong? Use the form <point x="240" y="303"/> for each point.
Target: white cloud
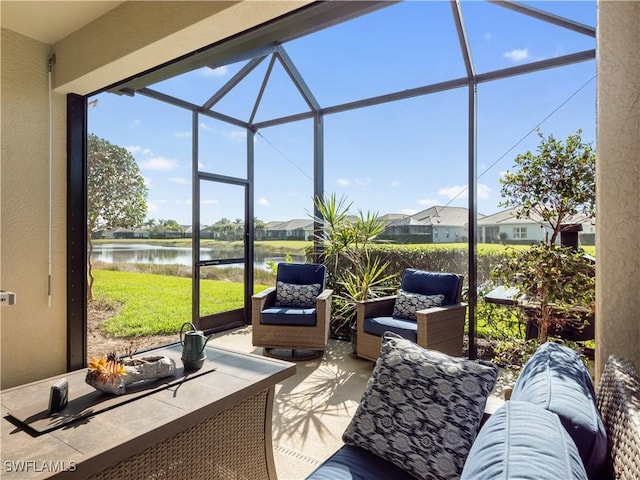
<point x="133" y="149"/>
<point x="159" y="163"/>
<point x="461" y="191"/>
<point x="409" y="211"/>
<point x="363" y="181"/>
<point x="428" y="202"/>
<point x="182" y="134"/>
<point x="215" y="72"/>
<point x="147" y="181"/>
<point x="263" y="201"/>
<point x="209" y="202"/>
<point x="179" y="180"/>
<point x="136" y="122"/>
<point x="484" y="191"/>
<point x="237" y="135"/>
<point x="204" y="126"/>
<point x="517" y="55"/>
<point x="487" y="36"/>
<point x="343" y="182"/>
<point x="151" y="207"/>
<point x="395" y="184"/>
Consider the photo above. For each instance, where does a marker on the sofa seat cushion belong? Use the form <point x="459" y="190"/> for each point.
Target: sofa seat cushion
<point x="288" y="316"/>
<point x="355" y="463"/>
<point x="405" y="328"/>
<point x="524" y="441"/>
<point x="555" y="378"/>
<point x="421" y="409"/>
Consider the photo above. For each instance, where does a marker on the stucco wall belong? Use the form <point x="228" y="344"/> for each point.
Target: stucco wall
<point x="127" y="40"/>
<point x="618" y="181"/>
<point x="33" y="334"/>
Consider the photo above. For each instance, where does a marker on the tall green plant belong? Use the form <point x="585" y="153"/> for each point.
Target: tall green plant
<point x="353" y="272"/>
<point x="552" y="278"/>
<point x="556" y="184"/>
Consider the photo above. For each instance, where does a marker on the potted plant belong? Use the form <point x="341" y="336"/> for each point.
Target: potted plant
<point x="352" y="271"/>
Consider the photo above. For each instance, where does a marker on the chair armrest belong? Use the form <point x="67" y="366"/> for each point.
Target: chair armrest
<point x="263" y="299"/>
<point x="326" y="295"/>
<point x="442" y="328"/>
<point x="323" y="311"/>
<point x="375" y="307"/>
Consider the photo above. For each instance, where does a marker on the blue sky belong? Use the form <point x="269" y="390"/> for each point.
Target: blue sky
<point x="400" y="157"/>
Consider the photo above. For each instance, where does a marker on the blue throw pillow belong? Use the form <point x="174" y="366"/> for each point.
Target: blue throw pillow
<point x="297" y="296"/>
<point x="524" y="441"/>
<point x="555" y="378"/>
<point x="421" y="409"/>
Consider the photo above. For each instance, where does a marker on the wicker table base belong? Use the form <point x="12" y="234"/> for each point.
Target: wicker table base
<point x="208" y="450"/>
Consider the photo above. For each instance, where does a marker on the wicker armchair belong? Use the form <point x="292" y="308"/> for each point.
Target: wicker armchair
<point x="437" y="327"/>
<point x="294" y="315"/>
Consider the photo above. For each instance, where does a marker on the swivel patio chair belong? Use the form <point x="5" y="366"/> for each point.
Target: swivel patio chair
<point x="427" y="310"/>
<point x="295" y="314"/>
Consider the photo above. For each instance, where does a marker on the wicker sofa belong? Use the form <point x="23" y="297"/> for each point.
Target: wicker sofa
<point x="527" y="441"/>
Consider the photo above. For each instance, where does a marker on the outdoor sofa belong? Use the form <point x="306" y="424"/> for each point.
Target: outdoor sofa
<point x="422" y="416"/>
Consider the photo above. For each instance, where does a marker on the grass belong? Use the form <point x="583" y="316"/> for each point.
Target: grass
<point x="159" y="304"/>
<point x="158" y="301"/>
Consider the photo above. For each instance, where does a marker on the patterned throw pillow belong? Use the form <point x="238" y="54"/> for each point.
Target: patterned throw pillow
<point x="408" y="303"/>
<point x="421" y="408"/>
<point x="299" y="296"/>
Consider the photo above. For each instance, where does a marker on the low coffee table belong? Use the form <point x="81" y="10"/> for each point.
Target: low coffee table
<point x="214" y="425"/>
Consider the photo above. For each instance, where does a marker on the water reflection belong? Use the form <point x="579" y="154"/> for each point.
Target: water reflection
<point x="157" y="254"/>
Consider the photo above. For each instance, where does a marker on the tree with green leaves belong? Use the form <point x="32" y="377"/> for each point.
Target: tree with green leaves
<point x="116" y="192"/>
<point x="555" y="184"/>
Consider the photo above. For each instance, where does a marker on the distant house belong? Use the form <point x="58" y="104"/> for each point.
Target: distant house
<point x="297" y="229"/>
<point x="505" y="227"/>
<point x="124" y="233"/>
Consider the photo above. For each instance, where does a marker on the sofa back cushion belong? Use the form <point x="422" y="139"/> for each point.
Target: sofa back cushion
<point x="524" y="441"/>
<point x="555" y="378"/>
<point x="302" y="273"/>
<point x="432" y="283"/>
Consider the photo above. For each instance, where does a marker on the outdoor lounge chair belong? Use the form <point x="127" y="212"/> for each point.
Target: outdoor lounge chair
<point x="427" y="310"/>
<point x="295" y="314"/>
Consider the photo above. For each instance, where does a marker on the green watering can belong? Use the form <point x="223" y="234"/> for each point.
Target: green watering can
<point x="193" y="342"/>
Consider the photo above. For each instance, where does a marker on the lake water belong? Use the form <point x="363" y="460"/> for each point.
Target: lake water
<point x="157" y="254"/>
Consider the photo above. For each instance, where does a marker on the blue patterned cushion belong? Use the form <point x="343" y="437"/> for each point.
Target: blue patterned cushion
<point x="421" y="408"/>
<point x="555" y="378"/>
<point x="293" y="295"/>
<point x="524" y="441"/>
<point x="408" y="303"/>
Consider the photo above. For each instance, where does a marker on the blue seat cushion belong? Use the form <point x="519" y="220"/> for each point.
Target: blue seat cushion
<point x="405" y="328"/>
<point x="355" y="463"/>
<point x="524" y="441"/>
<point x="431" y="283"/>
<point x="555" y="378"/>
<point x="289" y="316"/>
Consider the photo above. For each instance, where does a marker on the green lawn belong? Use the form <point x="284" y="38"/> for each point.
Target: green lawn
<point x="158" y="304"/>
